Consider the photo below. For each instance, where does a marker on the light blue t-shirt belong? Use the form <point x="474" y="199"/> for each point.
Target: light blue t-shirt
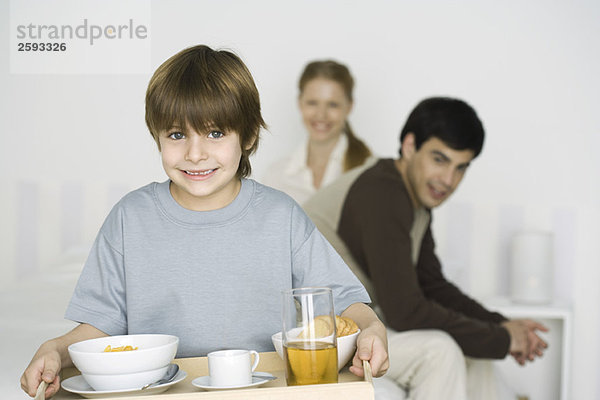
<point x="212" y="278"/>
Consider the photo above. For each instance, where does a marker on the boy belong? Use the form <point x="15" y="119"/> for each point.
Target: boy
<point x="206" y="254"/>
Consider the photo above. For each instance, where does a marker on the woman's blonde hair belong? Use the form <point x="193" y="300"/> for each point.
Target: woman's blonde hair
<point x="206" y="88"/>
<point x="357" y="151"/>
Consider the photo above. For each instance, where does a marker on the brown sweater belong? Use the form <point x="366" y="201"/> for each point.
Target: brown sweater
<point x="368" y="216"/>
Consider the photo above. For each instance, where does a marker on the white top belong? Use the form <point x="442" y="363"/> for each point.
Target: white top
<point x="292" y="176"/>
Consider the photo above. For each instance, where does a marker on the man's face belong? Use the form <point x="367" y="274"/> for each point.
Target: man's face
<point x="434" y="171"/>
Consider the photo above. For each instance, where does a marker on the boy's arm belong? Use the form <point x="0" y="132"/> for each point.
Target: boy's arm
<point x="51" y="357"/>
<point x="371" y="343"/>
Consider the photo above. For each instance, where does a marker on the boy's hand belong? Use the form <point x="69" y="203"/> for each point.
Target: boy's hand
<point x="51" y="357"/>
<point x="44" y="366"/>
<point x="371" y="346"/>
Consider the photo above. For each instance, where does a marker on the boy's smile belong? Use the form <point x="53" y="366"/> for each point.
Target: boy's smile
<point x="202" y="166"/>
<point x="200" y="174"/>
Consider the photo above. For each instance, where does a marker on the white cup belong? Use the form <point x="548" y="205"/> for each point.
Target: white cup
<point x="231" y="367"/>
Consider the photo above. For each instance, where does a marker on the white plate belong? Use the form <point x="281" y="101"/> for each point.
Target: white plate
<point x="76" y="384"/>
<point x="203" y="382"/>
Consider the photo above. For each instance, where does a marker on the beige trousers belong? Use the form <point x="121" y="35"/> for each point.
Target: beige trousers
<point x="429" y="365"/>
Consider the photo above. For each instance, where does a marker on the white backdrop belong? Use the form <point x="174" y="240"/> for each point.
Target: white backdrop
<point x="72" y="144"/>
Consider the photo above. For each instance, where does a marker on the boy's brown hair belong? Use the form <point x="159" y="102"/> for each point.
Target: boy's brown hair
<point x="205" y="88"/>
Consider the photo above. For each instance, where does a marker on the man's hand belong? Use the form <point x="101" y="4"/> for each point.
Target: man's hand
<point x="525" y="344"/>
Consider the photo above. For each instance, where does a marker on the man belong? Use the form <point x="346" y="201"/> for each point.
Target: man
<point x="378" y="217"/>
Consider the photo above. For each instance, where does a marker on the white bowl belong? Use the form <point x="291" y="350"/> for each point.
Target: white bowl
<point x="154" y="351"/>
<point x="124" y="381"/>
<point x="346" y="347"/>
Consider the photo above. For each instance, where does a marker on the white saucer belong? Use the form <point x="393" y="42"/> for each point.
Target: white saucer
<point x="203" y="382"/>
<point x="76" y="384"/>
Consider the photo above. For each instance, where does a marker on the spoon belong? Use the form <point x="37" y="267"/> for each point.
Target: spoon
<point x="171" y="372"/>
<point x="263" y="375"/>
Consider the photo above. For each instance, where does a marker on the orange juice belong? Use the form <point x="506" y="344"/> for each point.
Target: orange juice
<point x="310" y="363"/>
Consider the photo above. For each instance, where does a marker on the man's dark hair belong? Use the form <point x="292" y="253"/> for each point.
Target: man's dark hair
<point x="452" y="121"/>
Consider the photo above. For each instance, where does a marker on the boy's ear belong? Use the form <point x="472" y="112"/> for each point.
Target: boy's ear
<point x="251" y="142"/>
<point x="408" y="146"/>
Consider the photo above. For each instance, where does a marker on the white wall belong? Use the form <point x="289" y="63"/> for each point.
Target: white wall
<point x="72" y="144"/>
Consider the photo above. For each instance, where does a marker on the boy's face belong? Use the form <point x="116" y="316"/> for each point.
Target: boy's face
<point x="434" y="171"/>
<point x="202" y="166"/>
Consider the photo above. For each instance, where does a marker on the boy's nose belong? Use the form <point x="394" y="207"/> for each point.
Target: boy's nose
<point x="195" y="151"/>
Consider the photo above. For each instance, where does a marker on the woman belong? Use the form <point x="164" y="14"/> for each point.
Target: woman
<point x="325" y="102"/>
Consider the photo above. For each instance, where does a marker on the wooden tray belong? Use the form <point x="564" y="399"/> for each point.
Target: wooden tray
<point x="348" y="387"/>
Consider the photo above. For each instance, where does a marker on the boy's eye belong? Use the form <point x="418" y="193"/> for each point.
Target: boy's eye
<point x="215" y="134"/>
<point x="176" y="135"/>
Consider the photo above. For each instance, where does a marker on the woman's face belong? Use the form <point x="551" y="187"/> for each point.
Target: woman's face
<point x="324" y="106"/>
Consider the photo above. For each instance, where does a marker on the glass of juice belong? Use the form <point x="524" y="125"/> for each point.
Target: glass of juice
<point x="309" y="337"/>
